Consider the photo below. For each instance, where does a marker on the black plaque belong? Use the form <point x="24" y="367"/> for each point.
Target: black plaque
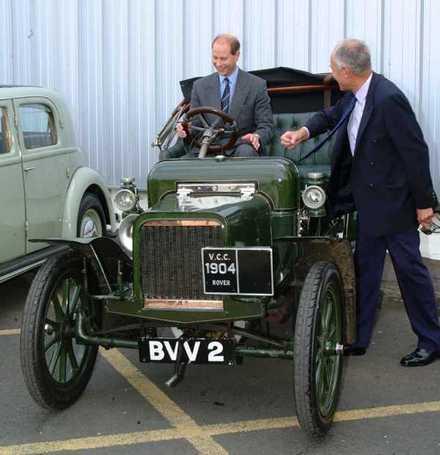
<point x="255" y="271"/>
<point x="238" y="271"/>
<point x="220" y="270"/>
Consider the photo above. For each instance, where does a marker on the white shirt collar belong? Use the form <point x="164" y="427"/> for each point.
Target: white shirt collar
<point x="362" y="92"/>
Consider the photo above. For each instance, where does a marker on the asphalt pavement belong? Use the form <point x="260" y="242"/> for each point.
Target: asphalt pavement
<point x="127" y="409"/>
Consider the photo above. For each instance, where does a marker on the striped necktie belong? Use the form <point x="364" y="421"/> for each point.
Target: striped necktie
<point x="226" y="96"/>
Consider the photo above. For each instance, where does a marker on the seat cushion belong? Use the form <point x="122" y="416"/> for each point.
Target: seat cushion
<point x="286" y="122"/>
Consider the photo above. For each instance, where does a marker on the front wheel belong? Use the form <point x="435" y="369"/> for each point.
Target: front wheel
<point x="91" y="217"/>
<point x="317" y="361"/>
<point x="55" y="367"/>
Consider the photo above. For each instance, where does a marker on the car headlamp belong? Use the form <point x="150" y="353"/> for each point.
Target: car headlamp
<point x="314" y="197"/>
<point x="125" y="233"/>
<point x="125" y="200"/>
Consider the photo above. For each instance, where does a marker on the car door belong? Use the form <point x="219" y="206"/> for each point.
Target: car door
<point x="45" y="167"/>
<point x="12" y="224"/>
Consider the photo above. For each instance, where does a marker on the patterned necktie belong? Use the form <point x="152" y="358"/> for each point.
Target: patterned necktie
<point x="226" y="96"/>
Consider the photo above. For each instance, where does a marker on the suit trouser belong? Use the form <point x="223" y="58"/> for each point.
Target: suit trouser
<point x="414" y="282"/>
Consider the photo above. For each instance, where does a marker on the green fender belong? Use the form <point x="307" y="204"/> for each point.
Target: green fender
<point x="85" y="180"/>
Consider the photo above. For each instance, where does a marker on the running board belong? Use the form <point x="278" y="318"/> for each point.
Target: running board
<point x="16" y="267"/>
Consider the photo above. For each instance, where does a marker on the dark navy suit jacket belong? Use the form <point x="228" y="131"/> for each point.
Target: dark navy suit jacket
<point x="388" y="177"/>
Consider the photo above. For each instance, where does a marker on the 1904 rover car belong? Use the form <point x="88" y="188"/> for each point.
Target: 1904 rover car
<point x="231" y="253"/>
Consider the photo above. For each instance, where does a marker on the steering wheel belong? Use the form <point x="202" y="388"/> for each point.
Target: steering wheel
<point x="223" y="126"/>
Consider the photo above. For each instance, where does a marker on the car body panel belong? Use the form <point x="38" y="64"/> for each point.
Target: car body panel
<point x="12" y="227"/>
<point x="42" y="179"/>
<point x="275" y="177"/>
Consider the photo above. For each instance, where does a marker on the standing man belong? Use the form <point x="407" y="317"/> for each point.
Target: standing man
<point x="241" y="95"/>
<point x="380" y="167"/>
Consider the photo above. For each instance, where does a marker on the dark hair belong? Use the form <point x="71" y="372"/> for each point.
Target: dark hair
<point x="231" y="39"/>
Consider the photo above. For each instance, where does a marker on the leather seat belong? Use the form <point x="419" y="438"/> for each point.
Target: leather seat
<point x="318" y="162"/>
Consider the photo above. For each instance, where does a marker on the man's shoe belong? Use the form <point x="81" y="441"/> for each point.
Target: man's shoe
<point x="419" y="358"/>
<point x="353" y="350"/>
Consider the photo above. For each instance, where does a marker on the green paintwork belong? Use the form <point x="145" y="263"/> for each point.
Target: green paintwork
<point x="246" y="223"/>
<point x="327" y="365"/>
<point x="64" y="355"/>
<point x="276" y="178"/>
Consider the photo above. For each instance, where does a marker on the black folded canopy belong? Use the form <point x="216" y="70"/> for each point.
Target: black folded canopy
<point x="302" y="101"/>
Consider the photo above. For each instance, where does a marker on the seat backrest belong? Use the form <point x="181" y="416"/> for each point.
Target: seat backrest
<point x="285" y="122"/>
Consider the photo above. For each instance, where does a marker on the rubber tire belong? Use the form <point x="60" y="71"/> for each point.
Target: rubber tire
<point x="307" y="409"/>
<point x="42" y="387"/>
<point x="91" y="202"/>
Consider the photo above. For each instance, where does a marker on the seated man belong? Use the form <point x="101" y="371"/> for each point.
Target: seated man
<point x="239" y="94"/>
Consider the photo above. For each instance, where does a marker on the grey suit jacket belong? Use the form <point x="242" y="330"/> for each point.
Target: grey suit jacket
<point x="250" y="105"/>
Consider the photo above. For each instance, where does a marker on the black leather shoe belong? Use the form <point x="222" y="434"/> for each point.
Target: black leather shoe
<point x="353" y="350"/>
<point x="419" y="358"/>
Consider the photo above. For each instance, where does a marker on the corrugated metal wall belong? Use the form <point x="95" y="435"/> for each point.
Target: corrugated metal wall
<point x="118" y="62"/>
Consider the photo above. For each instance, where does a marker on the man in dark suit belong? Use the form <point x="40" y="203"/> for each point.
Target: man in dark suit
<point x="241" y="95"/>
<point x="380" y="167"/>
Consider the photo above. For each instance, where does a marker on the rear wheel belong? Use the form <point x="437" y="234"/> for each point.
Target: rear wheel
<point x="91" y="217"/>
<point x="317" y="363"/>
<point x="56" y="368"/>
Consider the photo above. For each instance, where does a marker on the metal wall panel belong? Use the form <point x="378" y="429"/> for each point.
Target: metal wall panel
<point x="293" y="33"/>
<point x="118" y="62"/>
<point x="327" y="28"/>
<point x="364" y="20"/>
<point x="429" y="113"/>
<point x="6" y="52"/>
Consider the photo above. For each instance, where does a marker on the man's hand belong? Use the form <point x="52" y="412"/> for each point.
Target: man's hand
<point x="253" y="139"/>
<point x="180" y="130"/>
<point x="424" y="217"/>
<point x="291" y="139"/>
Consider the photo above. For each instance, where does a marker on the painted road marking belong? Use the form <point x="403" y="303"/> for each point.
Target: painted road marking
<point x="9" y="332"/>
<point x="186" y="426"/>
<point x="211" y="430"/>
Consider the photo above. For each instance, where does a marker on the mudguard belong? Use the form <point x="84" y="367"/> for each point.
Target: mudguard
<point x="84" y="179"/>
<point x="104" y="253"/>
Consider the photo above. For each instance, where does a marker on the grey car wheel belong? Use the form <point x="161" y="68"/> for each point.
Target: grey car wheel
<point x="91" y="218"/>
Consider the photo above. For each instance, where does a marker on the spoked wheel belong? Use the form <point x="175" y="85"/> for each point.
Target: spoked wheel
<point x="56" y="369"/>
<point x="318" y="360"/>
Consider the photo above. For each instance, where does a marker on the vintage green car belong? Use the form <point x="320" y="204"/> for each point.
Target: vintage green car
<point x="235" y="258"/>
<point x="46" y="190"/>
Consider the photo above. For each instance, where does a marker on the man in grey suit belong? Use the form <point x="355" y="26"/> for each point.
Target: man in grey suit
<point x="241" y="95"/>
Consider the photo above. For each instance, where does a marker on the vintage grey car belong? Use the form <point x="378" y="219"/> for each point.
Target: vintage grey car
<point x="45" y="188"/>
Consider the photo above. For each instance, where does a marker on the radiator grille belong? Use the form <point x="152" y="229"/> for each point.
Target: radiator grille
<point x="171" y="258"/>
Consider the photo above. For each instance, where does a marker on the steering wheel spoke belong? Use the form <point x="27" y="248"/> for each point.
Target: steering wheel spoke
<point x="210" y="133"/>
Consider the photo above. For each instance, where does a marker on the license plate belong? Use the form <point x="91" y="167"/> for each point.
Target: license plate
<point x="237" y="271"/>
<point x="198" y="350"/>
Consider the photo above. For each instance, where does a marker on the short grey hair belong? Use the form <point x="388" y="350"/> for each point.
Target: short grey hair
<point x="354" y="54"/>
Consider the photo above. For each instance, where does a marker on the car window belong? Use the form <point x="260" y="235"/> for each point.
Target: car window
<point x="4" y="132"/>
<point x="38" y="125"/>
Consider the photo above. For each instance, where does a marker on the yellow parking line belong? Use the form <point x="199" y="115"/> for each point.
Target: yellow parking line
<point x="9" y="332"/>
<point x="186" y="426"/>
<point x="211" y="430"/>
<point x="98" y="442"/>
<point x="387" y="411"/>
<point x="201" y="436"/>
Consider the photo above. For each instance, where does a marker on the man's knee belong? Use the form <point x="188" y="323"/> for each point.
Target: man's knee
<point x="245" y="150"/>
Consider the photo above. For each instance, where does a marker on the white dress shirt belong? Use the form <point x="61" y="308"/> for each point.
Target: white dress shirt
<point x="356" y="115"/>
